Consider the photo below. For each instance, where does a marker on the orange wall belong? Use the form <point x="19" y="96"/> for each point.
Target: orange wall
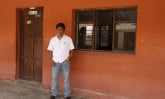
<point x="96" y="74"/>
<point x="7" y="40"/>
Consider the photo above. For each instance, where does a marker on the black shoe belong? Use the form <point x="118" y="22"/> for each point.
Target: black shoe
<point x="52" y="97"/>
<point x="67" y="97"/>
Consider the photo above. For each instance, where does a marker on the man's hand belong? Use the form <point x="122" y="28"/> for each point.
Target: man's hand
<point x="67" y="60"/>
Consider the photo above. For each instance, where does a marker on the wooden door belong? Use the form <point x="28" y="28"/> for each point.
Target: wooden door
<point x="31" y="24"/>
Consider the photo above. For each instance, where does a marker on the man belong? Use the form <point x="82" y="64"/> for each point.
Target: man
<point x="61" y="47"/>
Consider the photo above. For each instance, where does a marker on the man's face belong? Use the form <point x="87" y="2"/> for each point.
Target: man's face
<point x="60" y="31"/>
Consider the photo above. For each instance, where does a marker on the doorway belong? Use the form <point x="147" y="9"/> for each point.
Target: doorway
<point x="29" y="43"/>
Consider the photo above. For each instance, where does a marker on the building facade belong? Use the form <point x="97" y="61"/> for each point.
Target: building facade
<point x="98" y="74"/>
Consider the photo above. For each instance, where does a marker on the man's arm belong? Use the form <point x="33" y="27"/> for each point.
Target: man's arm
<point x="70" y="55"/>
<point x="50" y="54"/>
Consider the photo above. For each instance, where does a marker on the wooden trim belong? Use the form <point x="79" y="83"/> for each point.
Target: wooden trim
<point x="17" y="43"/>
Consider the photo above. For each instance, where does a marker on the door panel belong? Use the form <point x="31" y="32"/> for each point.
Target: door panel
<point x="31" y="43"/>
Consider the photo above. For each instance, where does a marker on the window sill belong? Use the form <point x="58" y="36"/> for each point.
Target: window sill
<point x="105" y="51"/>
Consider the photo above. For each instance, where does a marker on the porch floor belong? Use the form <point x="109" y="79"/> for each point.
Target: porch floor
<point x="21" y="90"/>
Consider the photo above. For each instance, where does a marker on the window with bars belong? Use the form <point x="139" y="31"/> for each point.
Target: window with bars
<point x="106" y="29"/>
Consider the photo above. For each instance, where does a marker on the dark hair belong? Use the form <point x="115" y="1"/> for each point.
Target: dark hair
<point x="60" y="25"/>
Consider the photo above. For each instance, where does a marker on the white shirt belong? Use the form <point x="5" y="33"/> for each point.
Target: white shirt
<point x="60" y="48"/>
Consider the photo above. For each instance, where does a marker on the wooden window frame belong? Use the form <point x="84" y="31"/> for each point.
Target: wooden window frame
<point x="94" y="38"/>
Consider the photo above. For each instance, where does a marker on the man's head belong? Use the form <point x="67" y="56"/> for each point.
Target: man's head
<point x="62" y="25"/>
<point x="60" y="28"/>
